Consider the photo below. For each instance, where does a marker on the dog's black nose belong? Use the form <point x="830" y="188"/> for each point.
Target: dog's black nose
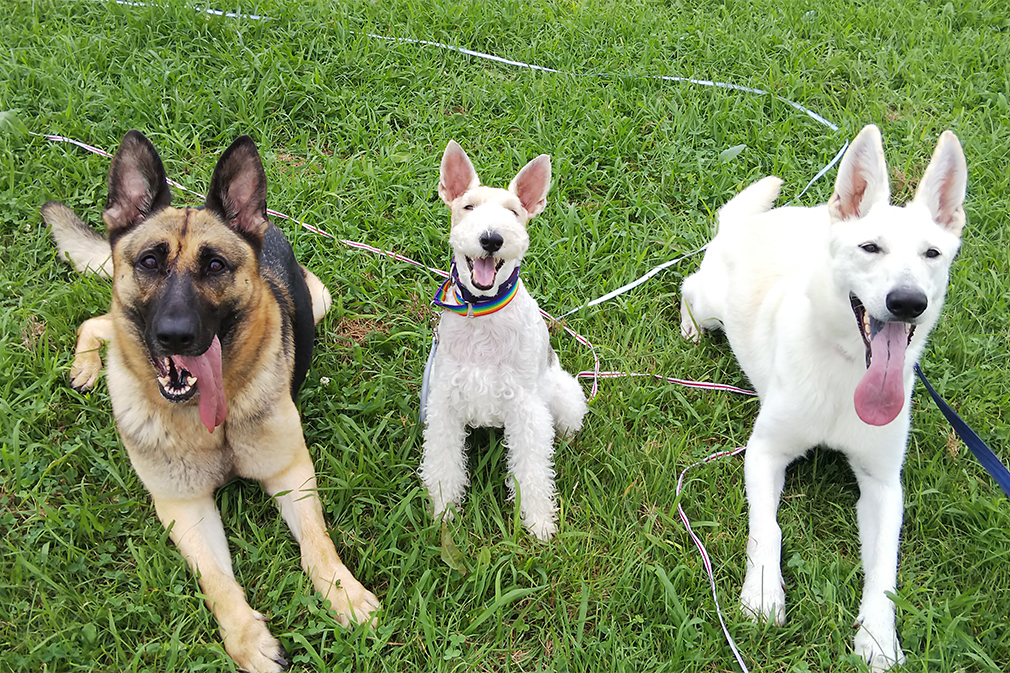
<point x="491" y="242"/>
<point x="176" y="332"/>
<point x="906" y="303"/>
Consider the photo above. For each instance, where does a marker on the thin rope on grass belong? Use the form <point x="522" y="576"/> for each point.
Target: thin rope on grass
<point x="705" y="559"/>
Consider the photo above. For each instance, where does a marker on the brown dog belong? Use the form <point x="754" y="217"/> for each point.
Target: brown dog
<point x="210" y="336"/>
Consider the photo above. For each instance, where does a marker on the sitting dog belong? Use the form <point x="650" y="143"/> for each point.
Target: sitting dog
<point x="493" y="364"/>
<point x="210" y="337"/>
<point x="827" y="310"/>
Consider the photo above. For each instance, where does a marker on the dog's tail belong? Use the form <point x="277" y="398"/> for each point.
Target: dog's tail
<point x="79" y="245"/>
<point x="756" y="199"/>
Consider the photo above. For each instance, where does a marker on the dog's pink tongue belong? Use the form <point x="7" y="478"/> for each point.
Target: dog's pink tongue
<point x="483" y="271"/>
<point x="207" y="370"/>
<point x="881" y="392"/>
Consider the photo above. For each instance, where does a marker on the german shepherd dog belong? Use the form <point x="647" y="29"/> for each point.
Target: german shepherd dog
<point x="210" y="337"/>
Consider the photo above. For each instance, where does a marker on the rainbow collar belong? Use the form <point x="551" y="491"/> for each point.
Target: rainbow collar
<point x="452" y="296"/>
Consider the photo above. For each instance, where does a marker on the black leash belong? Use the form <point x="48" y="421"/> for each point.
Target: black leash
<point x="997" y="470"/>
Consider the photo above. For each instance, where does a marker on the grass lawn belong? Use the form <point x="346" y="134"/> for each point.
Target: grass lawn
<point x="351" y="130"/>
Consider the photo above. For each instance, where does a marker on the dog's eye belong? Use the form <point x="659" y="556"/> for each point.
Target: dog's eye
<point x="216" y="266"/>
<point x="468" y="206"/>
<point x="513" y="211"/>
<point x="149" y="262"/>
<point x="871" y="248"/>
<point x="932" y="253"/>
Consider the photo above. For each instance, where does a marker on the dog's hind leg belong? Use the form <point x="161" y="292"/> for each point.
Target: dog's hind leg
<point x="879" y="513"/>
<point x="699" y="312"/>
<point x="529" y="435"/>
<point x="294" y="488"/>
<point x="87" y="357"/>
<point x="321" y="300"/>
<point x="197" y="531"/>
<point x="565" y="398"/>
<point x="443" y="465"/>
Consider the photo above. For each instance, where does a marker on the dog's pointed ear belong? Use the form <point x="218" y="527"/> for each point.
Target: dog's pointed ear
<point x="137" y="186"/>
<point x="943" y="185"/>
<point x="532" y="183"/>
<point x="238" y="191"/>
<point x="862" y="178"/>
<point x="457" y="175"/>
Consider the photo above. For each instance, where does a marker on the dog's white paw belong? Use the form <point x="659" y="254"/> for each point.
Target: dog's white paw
<point x="764" y="598"/>
<point x="253" y="648"/>
<point x="879" y="649"/>
<point x="85" y="370"/>
<point x="542" y="529"/>
<point x="689" y="329"/>
<point x="568" y="420"/>
<point x="442" y="509"/>
<point x="352" y="603"/>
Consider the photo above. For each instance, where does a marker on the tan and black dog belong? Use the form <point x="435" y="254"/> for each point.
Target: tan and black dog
<point x="210" y="336"/>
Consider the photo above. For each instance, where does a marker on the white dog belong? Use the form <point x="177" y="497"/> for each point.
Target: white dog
<point x="827" y="310"/>
<point x="493" y="364"/>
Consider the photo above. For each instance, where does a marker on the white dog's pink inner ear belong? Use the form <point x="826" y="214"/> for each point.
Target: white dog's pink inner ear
<point x="532" y="184"/>
<point x="942" y="188"/>
<point x="880" y="394"/>
<point x="457" y="173"/>
<point x="862" y="178"/>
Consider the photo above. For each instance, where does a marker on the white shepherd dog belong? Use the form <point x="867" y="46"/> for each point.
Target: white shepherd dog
<point x="827" y="309"/>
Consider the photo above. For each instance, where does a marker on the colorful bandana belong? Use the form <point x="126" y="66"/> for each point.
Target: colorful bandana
<point x="452" y="296"/>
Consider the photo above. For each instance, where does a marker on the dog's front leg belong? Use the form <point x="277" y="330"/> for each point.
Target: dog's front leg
<point x="763" y="595"/>
<point x="87" y="356"/>
<point x="295" y="491"/>
<point x="198" y="533"/>
<point x="529" y="434"/>
<point x="879" y="514"/>
<point x="443" y="465"/>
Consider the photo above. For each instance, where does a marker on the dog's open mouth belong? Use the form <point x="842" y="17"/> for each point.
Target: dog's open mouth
<point x="176" y="383"/>
<point x="483" y="271"/>
<point x="880" y="394"/>
<point x="180" y="377"/>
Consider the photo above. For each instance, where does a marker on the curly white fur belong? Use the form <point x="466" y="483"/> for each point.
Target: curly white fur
<point x="498" y="369"/>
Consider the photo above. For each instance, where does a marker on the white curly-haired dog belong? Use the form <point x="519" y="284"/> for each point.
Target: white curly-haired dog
<point x="492" y="363"/>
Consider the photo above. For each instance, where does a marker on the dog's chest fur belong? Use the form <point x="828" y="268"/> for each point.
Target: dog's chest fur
<point x="169" y="447"/>
<point x="491" y="363"/>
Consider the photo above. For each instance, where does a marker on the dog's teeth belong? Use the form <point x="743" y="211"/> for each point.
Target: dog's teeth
<point x="190" y="381"/>
<point x="164" y="381"/>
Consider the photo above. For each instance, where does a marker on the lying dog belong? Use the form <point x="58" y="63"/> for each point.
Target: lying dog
<point x="827" y="310"/>
<point x="210" y="337"/>
<point x="494" y="365"/>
